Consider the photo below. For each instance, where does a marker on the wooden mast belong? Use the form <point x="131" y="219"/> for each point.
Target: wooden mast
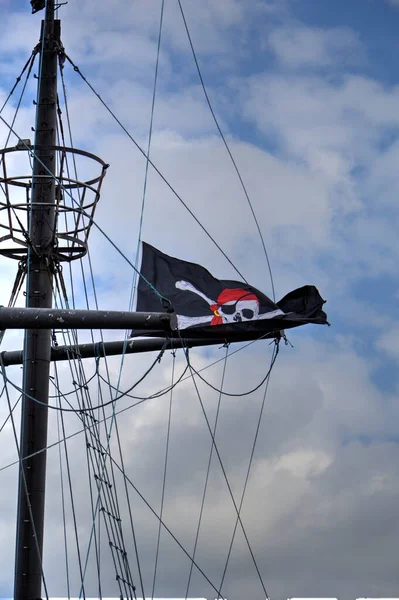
<point x="37" y="343"/>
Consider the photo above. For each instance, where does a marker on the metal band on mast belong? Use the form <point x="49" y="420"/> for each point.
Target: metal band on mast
<point x="37" y="344"/>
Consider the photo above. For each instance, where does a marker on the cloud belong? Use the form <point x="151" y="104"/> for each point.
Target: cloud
<point x="316" y="145"/>
<point x="303" y="477"/>
<point x="300" y="46"/>
<point x="388" y="343"/>
<point x="339" y="130"/>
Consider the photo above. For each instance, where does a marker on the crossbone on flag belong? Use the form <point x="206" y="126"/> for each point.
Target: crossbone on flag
<point x="215" y="308"/>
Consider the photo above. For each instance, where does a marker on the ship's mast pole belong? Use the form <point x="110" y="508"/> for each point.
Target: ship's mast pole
<point x="37" y="344"/>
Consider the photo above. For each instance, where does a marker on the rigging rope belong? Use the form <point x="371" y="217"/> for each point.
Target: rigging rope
<point x="169" y="185"/>
<point x="20" y="276"/>
<point x="34" y="52"/>
<point x="99" y="480"/>
<point x="164" y="477"/>
<point x="75" y="527"/>
<point x="110" y="507"/>
<point x="219" y="596"/>
<point x="23" y="477"/>
<point x="207" y="472"/>
<point x="82" y="212"/>
<point x="240" y="395"/>
<point x="129" y="481"/>
<point x="134" y="282"/>
<point x="63" y="497"/>
<point x="228" y="149"/>
<point x="166" y="528"/>
<point x="140" y="400"/>
<point x="106" y="451"/>
<point x="82" y="411"/>
<point x="274" y="356"/>
<point x="10" y="413"/>
<point x="127" y="576"/>
<point x="122" y="471"/>
<point x="25" y="234"/>
<point x="135" y="543"/>
<point x="226" y="479"/>
<point x="84" y="386"/>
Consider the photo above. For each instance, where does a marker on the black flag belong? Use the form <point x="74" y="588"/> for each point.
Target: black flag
<point x="209" y="307"/>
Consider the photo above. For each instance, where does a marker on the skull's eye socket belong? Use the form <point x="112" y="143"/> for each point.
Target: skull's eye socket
<point x="247" y="313"/>
<point x="228" y="309"/>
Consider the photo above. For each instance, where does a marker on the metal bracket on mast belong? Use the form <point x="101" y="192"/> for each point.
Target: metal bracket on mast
<point x="37" y="5"/>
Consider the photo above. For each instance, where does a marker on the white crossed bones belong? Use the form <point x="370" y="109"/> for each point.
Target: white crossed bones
<point x="235" y="311"/>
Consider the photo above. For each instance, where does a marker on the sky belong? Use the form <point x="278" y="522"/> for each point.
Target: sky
<point x="307" y="96"/>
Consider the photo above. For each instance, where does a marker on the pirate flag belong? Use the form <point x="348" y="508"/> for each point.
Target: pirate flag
<point x="208" y="307"/>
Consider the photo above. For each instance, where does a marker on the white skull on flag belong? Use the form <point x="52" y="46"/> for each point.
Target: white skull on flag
<point x="232" y="306"/>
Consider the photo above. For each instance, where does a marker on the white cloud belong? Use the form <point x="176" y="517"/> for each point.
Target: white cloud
<point x="388" y="342"/>
<point x="337" y="128"/>
<point x="303" y="463"/>
<point x="299" y="46"/>
<point x="302" y="478"/>
<point x="322" y="493"/>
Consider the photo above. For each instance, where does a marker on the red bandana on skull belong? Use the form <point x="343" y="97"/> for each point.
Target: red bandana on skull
<point x="229" y="297"/>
